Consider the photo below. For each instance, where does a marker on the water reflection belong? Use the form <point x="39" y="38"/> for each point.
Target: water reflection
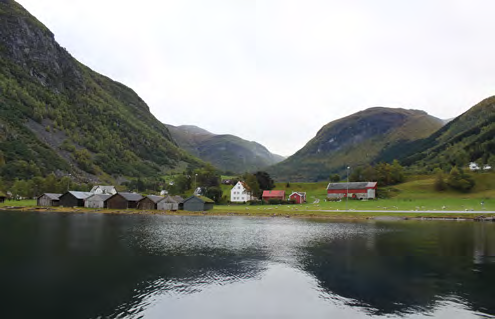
<point x="102" y="266"/>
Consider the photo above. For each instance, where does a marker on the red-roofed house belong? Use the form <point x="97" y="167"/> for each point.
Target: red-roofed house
<point x="298" y="197"/>
<point x="267" y="195"/>
<point x="359" y="190"/>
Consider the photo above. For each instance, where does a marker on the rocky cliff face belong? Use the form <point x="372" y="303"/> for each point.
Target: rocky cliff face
<point x="60" y="115"/>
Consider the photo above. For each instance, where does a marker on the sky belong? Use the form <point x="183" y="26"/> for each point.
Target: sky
<point x="276" y="71"/>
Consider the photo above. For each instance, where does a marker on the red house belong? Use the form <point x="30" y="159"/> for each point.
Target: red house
<point x="267" y="195"/>
<point x="359" y="190"/>
<point x="298" y="197"/>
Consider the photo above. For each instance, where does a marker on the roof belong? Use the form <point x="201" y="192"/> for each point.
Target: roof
<point x="352" y="185"/>
<point x="243" y="184"/>
<point x="78" y="195"/>
<point x="2" y="194"/>
<point x="169" y="199"/>
<point x="298" y="193"/>
<point x="154" y="198"/>
<point x="102" y="197"/>
<point x="131" y="197"/>
<point x="273" y="193"/>
<point x="178" y="199"/>
<point x="51" y="196"/>
<point x="202" y="198"/>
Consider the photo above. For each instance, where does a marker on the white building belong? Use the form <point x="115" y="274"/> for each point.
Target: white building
<point x="241" y="193"/>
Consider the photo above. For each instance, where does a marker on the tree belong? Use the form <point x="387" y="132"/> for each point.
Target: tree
<point x="214" y="193"/>
<point x="439" y="183"/>
<point x="252" y="182"/>
<point x="264" y="180"/>
<point x="335" y="178"/>
<point x="459" y="180"/>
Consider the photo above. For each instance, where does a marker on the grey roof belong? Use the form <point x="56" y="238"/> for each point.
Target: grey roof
<point x="80" y="195"/>
<point x="178" y="199"/>
<point x="132" y="197"/>
<point x="102" y="197"/>
<point x="352" y="185"/>
<point x="155" y="198"/>
<point x="51" y="196"/>
<point x="169" y="199"/>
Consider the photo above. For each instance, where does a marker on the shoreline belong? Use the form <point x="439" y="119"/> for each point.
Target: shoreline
<point x="351" y="215"/>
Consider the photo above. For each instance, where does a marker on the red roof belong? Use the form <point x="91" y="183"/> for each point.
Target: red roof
<point x="273" y="193"/>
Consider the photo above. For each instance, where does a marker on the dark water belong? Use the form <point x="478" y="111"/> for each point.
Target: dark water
<point x="104" y="266"/>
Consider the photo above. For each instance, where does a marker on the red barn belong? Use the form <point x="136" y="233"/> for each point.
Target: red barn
<point x="298" y="197"/>
<point x="267" y="195"/>
<point x="360" y="190"/>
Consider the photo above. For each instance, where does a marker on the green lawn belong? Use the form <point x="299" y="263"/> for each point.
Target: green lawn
<point x="19" y="203"/>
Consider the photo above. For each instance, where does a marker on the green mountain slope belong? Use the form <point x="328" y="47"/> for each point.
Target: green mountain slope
<point x="56" y="115"/>
<point x="357" y="139"/>
<point x="226" y="152"/>
<point x="468" y="138"/>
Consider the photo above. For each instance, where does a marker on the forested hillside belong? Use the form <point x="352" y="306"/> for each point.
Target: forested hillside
<point x="468" y="138"/>
<point x="57" y="115"/>
<point x="356" y="140"/>
<point x="226" y="152"/>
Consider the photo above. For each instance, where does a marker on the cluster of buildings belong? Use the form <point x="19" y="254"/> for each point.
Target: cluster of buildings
<point x="241" y="192"/>
<point x="108" y="197"/>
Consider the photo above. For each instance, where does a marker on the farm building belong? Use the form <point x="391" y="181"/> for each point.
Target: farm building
<point x="267" y="195"/>
<point x="198" y="203"/>
<point x="97" y="201"/>
<point x="99" y="189"/>
<point x="48" y="199"/>
<point x="150" y="202"/>
<point x="241" y="193"/>
<point x="298" y="197"/>
<point x="123" y="200"/>
<point x="73" y="199"/>
<point x="168" y="203"/>
<point x="359" y="190"/>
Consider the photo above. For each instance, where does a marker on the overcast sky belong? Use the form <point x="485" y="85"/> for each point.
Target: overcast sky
<point x="276" y="71"/>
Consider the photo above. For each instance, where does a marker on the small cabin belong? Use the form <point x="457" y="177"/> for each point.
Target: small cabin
<point x="73" y="199"/>
<point x="298" y="197"/>
<point x="123" y="200"/>
<point x="179" y="200"/>
<point x="150" y="202"/>
<point x="198" y="203"/>
<point x="275" y="194"/>
<point x="97" y="201"/>
<point x="2" y="197"/>
<point x="48" y="199"/>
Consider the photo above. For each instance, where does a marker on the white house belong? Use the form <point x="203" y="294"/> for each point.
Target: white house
<point x="241" y="193"/>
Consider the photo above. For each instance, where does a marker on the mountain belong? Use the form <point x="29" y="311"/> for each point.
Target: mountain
<point x="358" y="139"/>
<point x="469" y="137"/>
<point x="57" y="115"/>
<point x="228" y="153"/>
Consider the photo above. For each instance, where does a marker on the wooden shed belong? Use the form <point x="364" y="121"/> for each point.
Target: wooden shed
<point x="73" y="199"/>
<point x="2" y="197"/>
<point x="48" y="199"/>
<point x="168" y="203"/>
<point x="123" y="200"/>
<point x="150" y="202"/>
<point x="97" y="201"/>
<point x="179" y="201"/>
<point x="198" y="203"/>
